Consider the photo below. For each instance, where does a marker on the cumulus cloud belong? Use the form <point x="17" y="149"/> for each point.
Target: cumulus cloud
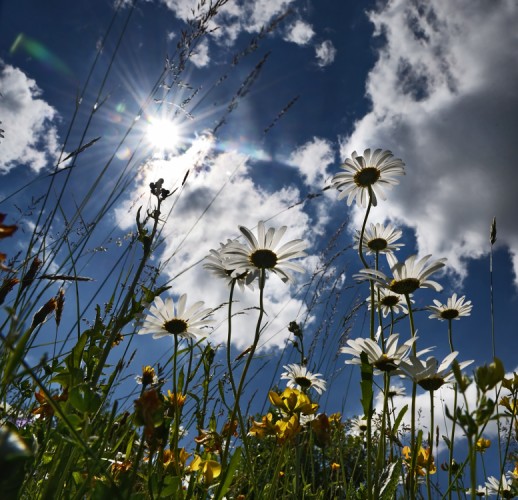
<point x="299" y="32"/>
<point x="31" y="139"/>
<point x="200" y="56"/>
<point x="216" y="199"/>
<point x="233" y="17"/>
<point x="312" y="160"/>
<point x="444" y="99"/>
<point x="326" y="53"/>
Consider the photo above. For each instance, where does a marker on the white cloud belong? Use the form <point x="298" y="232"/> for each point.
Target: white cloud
<point x="232" y="18"/>
<point x="312" y="160"/>
<point x="216" y="199"/>
<point x="325" y="52"/>
<point x="299" y="32"/>
<point x="444" y="100"/>
<point x="30" y="137"/>
<point x="200" y="56"/>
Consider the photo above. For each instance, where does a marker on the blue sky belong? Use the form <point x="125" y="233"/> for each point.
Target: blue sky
<point x="433" y="82"/>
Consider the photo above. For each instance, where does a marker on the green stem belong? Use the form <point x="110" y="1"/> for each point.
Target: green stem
<point x="430" y="445"/>
<point x="454" y="414"/>
<point x="412" y="482"/>
<point x="231" y="378"/>
<point x="239" y="391"/>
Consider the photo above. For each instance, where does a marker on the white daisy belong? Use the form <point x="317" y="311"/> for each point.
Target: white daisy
<point x="218" y="263"/>
<point x="368" y="175"/>
<point x="453" y="309"/>
<point x="261" y="253"/>
<point x="429" y="374"/>
<point x="299" y="377"/>
<point x="359" y="426"/>
<point x="165" y="319"/>
<point x="396" y="391"/>
<point x="407" y="276"/>
<point x="380" y="239"/>
<point x="503" y="487"/>
<point x="383" y="361"/>
<point x="388" y="302"/>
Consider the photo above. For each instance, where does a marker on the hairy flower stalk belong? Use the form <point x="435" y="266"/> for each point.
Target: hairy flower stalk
<point x="146" y="238"/>
<point x="260" y="255"/>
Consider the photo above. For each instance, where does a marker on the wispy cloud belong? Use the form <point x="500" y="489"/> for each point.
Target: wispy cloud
<point x="31" y="138"/>
<point x="325" y="53"/>
<point x="444" y="99"/>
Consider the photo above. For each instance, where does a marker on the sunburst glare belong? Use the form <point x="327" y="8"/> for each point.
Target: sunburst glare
<point x="163" y="134"/>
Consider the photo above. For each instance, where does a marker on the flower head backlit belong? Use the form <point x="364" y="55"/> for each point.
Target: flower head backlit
<point x="368" y="176"/>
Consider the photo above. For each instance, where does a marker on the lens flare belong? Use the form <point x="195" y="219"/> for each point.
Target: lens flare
<point x="39" y="52"/>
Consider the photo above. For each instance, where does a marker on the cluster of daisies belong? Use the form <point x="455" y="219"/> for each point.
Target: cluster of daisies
<point x="249" y="260"/>
<point x="235" y="262"/>
<point x="365" y="179"/>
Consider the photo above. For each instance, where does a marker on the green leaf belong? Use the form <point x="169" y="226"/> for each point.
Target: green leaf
<point x="399" y="418"/>
<point x="229" y="473"/>
<point x="390" y="479"/>
<point x="84" y="399"/>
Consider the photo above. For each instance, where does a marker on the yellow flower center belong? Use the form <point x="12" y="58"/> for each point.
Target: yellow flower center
<point x="366" y="176"/>
<point x="303" y="382"/>
<point x="264" y="259"/>
<point x="377" y="244"/>
<point x="404" y="286"/>
<point x="431" y="383"/>
<point x="390" y="301"/>
<point x="449" y="313"/>
<point x="175" y="326"/>
<point x="385" y="363"/>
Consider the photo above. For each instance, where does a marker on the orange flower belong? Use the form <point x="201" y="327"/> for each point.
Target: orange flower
<point x="45" y="409"/>
<point x="210" y="440"/>
<point x="31" y="273"/>
<point x="118" y="468"/>
<point x="43" y="313"/>
<point x="335" y="466"/>
<point x="322" y="430"/>
<point x="149" y="410"/>
<point x="7" y="285"/>
<point x="6" y="231"/>
<point x="176" y="400"/>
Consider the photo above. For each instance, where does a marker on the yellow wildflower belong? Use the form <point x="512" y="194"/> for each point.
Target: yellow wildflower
<point x="287" y="428"/>
<point x="509" y="404"/>
<point x="424" y="463"/>
<point x="482" y="445"/>
<point x="265" y="427"/>
<point x="292" y="401"/>
<point x="210" y="469"/>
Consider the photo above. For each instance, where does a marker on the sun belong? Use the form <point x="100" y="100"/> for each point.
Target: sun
<point x="163" y="134"/>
